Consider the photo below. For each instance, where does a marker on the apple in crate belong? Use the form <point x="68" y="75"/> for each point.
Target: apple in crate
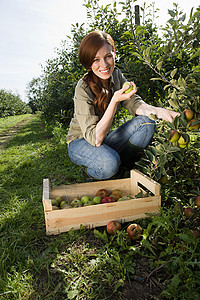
<point x="107" y="200"/>
<point x="113" y="226"/>
<point x="102" y="193"/>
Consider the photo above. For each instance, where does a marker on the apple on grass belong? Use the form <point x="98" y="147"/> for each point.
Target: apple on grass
<point x="113" y="226"/>
<point x="197" y="201"/>
<point x="134" y="231"/>
<point x="188" y="212"/>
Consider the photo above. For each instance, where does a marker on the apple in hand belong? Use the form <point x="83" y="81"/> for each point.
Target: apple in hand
<point x="102" y="193"/>
<point x="134" y="231"/>
<point x="107" y="200"/>
<point x="113" y="226"/>
<point x="130" y="87"/>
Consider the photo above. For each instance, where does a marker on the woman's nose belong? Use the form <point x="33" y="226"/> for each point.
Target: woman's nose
<point x="104" y="63"/>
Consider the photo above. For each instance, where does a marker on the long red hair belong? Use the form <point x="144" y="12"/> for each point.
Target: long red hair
<point x="89" y="46"/>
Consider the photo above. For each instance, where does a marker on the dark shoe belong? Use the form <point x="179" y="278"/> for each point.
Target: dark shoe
<point x="130" y="154"/>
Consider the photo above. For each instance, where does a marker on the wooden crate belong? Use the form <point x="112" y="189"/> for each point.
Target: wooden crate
<point x="92" y="216"/>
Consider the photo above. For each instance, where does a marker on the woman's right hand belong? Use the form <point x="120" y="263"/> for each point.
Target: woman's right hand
<point x="121" y="96"/>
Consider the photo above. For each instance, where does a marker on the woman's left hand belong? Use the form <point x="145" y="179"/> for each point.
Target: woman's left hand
<point x="166" y="114"/>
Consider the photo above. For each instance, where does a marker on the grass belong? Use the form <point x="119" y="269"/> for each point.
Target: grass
<point x="85" y="264"/>
<point x="8" y="122"/>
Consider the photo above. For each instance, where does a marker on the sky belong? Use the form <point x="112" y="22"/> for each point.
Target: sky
<point x="32" y="30"/>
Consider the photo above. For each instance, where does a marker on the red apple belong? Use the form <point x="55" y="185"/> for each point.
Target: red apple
<point x="197" y="201"/>
<point x="118" y="192"/>
<point x="113" y="226"/>
<point x="188" y="212"/>
<point x="115" y="196"/>
<point x="134" y="231"/>
<point x="195" y="233"/>
<point x="188" y="114"/>
<point x="107" y="200"/>
<point x="102" y="193"/>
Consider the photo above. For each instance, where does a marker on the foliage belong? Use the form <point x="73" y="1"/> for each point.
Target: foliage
<point x="11" y="104"/>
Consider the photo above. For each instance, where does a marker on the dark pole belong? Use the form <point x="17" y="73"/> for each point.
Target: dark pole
<point x="137" y="14"/>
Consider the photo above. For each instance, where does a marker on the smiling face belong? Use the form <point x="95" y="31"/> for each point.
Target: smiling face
<point x="104" y="63"/>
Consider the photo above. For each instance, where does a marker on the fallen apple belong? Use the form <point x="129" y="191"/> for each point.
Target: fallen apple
<point x="188" y="114"/>
<point x="113" y="226"/>
<point x="107" y="200"/>
<point x="130" y="87"/>
<point x="197" y="201"/>
<point x="174" y="136"/>
<point x="102" y="193"/>
<point x="134" y="231"/>
<point x="188" y="212"/>
<point x="195" y="233"/>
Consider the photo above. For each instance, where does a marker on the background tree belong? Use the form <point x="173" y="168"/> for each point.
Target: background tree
<point x="11" y="104"/>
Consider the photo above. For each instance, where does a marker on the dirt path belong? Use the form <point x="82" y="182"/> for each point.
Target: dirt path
<point x="8" y="134"/>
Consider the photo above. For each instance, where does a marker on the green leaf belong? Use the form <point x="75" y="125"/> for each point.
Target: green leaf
<point x="149" y="155"/>
<point x="159" y="65"/>
<point x="173" y="149"/>
<point x="173" y="73"/>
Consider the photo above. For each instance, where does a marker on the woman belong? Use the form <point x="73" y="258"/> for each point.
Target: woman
<point x="98" y="97"/>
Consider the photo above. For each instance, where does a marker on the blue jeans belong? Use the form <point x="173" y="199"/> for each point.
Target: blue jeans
<point x="103" y="162"/>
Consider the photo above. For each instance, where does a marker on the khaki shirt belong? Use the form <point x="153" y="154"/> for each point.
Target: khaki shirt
<point x="85" y="119"/>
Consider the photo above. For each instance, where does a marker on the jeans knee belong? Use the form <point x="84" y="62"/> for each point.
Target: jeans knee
<point x="105" y="169"/>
